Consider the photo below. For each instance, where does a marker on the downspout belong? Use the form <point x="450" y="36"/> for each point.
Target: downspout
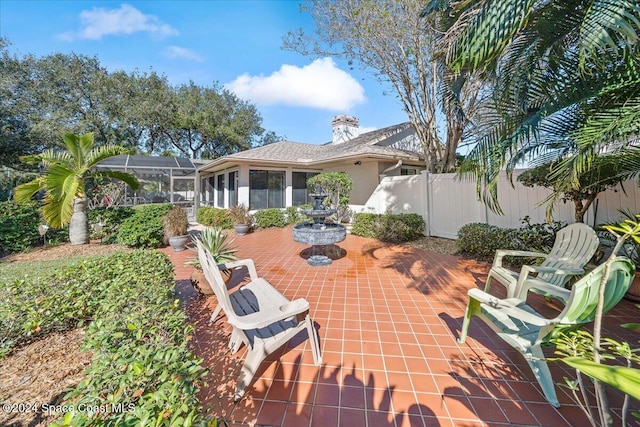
<point x="384" y="172"/>
<point x="197" y="190"/>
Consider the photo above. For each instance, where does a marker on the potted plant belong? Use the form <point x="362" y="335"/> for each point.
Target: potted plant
<point x="242" y="219"/>
<point x="175" y="228"/>
<point x="218" y="244"/>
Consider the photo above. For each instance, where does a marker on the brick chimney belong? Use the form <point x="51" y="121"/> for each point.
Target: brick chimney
<point x="344" y="128"/>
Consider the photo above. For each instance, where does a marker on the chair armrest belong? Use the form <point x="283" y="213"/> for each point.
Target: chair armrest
<point x="269" y="315"/>
<point x="547" y="289"/>
<point x="501" y="253"/>
<point x="567" y="271"/>
<point x="241" y="263"/>
<point x="507" y="308"/>
<point x="525" y="283"/>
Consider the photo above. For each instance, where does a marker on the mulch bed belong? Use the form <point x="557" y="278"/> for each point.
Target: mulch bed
<point x="41" y="372"/>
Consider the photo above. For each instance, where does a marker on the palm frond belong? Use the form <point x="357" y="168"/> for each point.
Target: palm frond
<point x="60" y="181"/>
<point x="71" y="141"/>
<point x="57" y="212"/>
<point x="605" y="24"/>
<point x="489" y="32"/>
<point x="24" y="192"/>
<point x="98" y="154"/>
<point x="127" y="178"/>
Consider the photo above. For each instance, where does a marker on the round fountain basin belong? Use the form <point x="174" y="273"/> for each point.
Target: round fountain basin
<point x="318" y="213"/>
<point x="327" y="234"/>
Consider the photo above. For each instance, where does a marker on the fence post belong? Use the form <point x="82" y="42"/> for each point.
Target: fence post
<point x="426" y="192"/>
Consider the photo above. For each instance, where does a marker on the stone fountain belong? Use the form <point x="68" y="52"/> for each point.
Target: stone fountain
<point x="319" y="234"/>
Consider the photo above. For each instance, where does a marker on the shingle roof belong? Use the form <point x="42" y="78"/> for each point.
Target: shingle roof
<point x="297" y="152"/>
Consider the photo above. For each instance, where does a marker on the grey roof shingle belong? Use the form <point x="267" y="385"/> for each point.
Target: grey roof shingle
<point x="298" y="152"/>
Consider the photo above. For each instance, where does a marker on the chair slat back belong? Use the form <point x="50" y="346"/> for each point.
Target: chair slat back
<point x="574" y="246"/>
<point x="581" y="306"/>
<point x="213" y="276"/>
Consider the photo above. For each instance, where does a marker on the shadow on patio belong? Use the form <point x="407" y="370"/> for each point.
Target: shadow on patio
<point x="388" y="318"/>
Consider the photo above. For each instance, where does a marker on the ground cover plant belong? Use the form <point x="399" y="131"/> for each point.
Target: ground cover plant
<point x="135" y="328"/>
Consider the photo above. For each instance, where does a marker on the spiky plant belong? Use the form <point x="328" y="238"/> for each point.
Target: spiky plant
<point x="218" y="243"/>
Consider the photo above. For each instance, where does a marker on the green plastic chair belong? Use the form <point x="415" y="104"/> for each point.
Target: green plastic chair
<point x="573" y="248"/>
<point x="525" y="330"/>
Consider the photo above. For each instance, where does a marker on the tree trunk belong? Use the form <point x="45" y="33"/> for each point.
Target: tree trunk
<point x="79" y="225"/>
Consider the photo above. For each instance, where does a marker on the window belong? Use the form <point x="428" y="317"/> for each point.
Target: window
<point x="405" y="171"/>
<point x="300" y="191"/>
<point x="266" y="189"/>
<point x="220" y="191"/>
<point x="233" y="186"/>
<point x="210" y="188"/>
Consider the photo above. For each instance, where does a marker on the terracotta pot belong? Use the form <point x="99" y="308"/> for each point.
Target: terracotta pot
<point x="200" y="283"/>
<point x="633" y="293"/>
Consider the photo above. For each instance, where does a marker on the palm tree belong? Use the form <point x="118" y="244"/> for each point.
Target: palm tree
<point x="566" y="79"/>
<point x="64" y="182"/>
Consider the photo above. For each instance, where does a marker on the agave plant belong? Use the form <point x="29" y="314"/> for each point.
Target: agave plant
<point x="218" y="243"/>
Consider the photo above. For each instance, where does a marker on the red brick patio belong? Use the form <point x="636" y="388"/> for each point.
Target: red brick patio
<point x="388" y="318"/>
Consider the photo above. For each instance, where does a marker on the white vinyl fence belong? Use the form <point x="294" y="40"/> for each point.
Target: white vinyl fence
<point x="447" y="203"/>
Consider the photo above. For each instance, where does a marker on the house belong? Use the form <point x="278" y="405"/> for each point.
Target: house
<point x="275" y="175"/>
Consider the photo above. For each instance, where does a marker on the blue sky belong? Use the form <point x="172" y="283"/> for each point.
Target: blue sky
<point x="233" y="43"/>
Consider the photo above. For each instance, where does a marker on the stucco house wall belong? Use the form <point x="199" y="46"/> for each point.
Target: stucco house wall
<point x="365" y="158"/>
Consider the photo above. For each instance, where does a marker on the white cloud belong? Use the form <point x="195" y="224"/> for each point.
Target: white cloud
<point x="100" y="22"/>
<point x="320" y="84"/>
<point x="176" y="52"/>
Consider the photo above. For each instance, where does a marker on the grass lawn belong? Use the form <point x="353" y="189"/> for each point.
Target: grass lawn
<point x="37" y="268"/>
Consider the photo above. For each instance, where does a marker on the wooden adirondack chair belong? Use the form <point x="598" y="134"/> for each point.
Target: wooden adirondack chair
<point x="573" y="248"/>
<point x="525" y="330"/>
<point x="261" y="317"/>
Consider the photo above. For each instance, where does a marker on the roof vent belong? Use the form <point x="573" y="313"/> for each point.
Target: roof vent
<point x="345" y="128"/>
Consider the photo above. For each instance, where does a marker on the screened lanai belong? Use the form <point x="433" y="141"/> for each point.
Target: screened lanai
<point x="162" y="179"/>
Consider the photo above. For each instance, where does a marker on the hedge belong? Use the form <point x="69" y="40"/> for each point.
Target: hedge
<point x="18" y="226"/>
<point x="388" y="227"/>
<point x="145" y="228"/>
<point x="267" y="218"/>
<point x="111" y="219"/>
<point x="480" y="240"/>
<point x="214" y="217"/>
<point x="136" y="330"/>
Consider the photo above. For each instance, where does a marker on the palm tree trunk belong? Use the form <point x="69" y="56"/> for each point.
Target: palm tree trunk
<point x="79" y="225"/>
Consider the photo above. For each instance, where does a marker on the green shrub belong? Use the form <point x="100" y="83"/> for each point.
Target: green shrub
<point x="268" y="218"/>
<point x="480" y="241"/>
<point x="388" y="227"/>
<point x="137" y="331"/>
<point x="145" y="228"/>
<point x="111" y="219"/>
<point x="19" y="226"/>
<point x="294" y="216"/>
<point x="214" y="217"/>
<point x="365" y="225"/>
<point x="538" y="237"/>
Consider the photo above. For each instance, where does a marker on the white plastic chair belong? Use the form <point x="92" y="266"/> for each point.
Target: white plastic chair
<point x="573" y="248"/>
<point x="261" y="317"/>
<point x="525" y="330"/>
